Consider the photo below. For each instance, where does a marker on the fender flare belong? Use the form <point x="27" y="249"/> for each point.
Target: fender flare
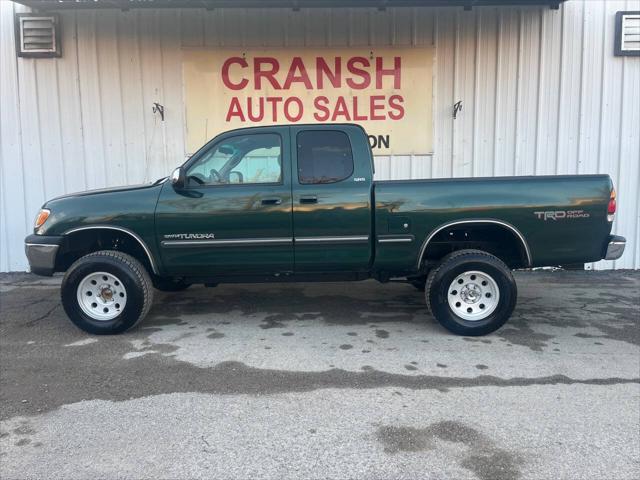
<point x="501" y="223"/>
<point x="131" y="233"/>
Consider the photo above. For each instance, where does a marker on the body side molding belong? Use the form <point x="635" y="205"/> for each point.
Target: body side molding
<point x="332" y="239"/>
<point x="399" y="238"/>
<point x="228" y="243"/>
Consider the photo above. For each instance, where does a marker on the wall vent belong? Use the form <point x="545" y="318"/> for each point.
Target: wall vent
<point x="38" y="35"/>
<point x="627" y="34"/>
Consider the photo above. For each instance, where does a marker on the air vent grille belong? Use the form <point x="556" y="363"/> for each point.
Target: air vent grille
<point x="631" y="32"/>
<point x="627" y="34"/>
<point x="38" y="35"/>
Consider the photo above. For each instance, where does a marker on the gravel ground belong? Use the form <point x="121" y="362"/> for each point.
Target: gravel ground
<point x="324" y="381"/>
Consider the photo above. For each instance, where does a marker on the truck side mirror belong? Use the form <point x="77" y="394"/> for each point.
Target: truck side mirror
<point x="177" y="178"/>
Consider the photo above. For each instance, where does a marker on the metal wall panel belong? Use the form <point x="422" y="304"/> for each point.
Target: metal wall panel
<point x="13" y="219"/>
<point x="542" y="93"/>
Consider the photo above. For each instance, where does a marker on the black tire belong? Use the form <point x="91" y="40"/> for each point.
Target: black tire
<point x="169" y="285"/>
<point x="134" y="278"/>
<point x="455" y="264"/>
<point x="427" y="286"/>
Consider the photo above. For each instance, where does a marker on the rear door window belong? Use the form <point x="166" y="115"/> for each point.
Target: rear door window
<point x="324" y="156"/>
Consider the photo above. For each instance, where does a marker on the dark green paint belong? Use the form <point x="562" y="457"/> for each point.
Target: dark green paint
<point x="429" y="204"/>
<point x="343" y="209"/>
<point x="131" y="208"/>
<point x="229" y="212"/>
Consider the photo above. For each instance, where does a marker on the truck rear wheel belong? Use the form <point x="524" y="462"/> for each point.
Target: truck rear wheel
<point x="106" y="292"/>
<point x="471" y="293"/>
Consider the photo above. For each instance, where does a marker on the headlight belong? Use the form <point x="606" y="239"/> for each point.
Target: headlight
<point x="42" y="216"/>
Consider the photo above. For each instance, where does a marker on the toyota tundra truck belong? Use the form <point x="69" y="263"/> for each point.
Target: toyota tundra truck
<point x="299" y="203"/>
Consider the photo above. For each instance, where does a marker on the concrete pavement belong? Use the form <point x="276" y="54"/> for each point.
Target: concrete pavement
<point x="324" y="381"/>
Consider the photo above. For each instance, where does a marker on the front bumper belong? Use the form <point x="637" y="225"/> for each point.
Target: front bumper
<point x="41" y="252"/>
<point x="615" y="247"/>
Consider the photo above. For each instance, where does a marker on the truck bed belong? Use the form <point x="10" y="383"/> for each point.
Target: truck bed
<point x="562" y="219"/>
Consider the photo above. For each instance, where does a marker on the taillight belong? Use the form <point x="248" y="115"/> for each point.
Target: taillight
<point x="611" y="208"/>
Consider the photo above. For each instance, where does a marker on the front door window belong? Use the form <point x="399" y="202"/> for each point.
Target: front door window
<point x="244" y="159"/>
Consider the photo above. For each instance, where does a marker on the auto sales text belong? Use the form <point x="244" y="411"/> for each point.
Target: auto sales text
<point x="381" y="81"/>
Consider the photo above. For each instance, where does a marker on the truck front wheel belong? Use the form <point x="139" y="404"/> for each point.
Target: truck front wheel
<point x="106" y="292"/>
<point x="471" y="293"/>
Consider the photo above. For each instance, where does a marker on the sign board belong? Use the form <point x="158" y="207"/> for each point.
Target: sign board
<point x="386" y="90"/>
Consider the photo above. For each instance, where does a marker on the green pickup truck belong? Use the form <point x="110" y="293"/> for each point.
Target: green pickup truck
<point x="299" y="203"/>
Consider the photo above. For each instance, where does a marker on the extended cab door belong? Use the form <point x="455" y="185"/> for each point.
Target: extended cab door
<point x="233" y="217"/>
<point x="331" y="198"/>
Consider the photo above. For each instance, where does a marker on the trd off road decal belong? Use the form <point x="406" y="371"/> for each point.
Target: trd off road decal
<point x="556" y="215"/>
<point x="190" y="236"/>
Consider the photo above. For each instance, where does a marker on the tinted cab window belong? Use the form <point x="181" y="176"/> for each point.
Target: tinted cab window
<point x="323" y="157"/>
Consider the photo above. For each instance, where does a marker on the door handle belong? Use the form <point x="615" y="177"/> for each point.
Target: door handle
<point x="309" y="199"/>
<point x="271" y="201"/>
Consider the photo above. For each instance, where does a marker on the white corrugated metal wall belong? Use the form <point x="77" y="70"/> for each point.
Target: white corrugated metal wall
<point x="541" y="89"/>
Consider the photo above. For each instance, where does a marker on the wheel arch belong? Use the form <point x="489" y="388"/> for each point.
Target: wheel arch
<point x="521" y="241"/>
<point x="137" y="240"/>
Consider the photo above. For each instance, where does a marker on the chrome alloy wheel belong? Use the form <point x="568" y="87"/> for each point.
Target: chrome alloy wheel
<point x="473" y="295"/>
<point x="102" y="296"/>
